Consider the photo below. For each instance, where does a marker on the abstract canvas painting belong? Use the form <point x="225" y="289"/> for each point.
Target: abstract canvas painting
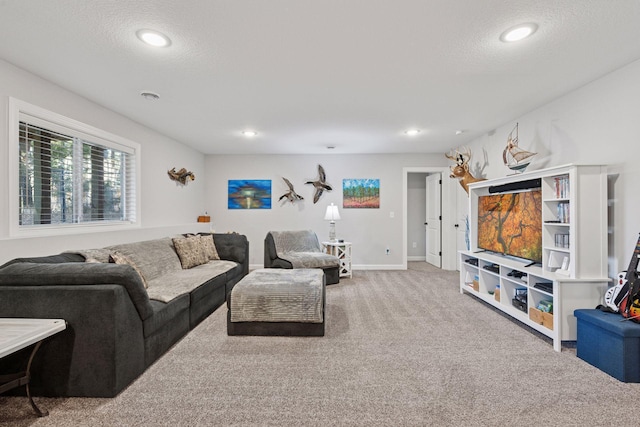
<point x="249" y="194"/>
<point x="360" y="193"/>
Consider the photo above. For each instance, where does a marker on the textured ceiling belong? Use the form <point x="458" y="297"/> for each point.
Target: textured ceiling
<point x="305" y="74"/>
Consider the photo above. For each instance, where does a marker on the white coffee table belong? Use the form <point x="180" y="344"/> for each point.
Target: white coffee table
<point x="16" y="334"/>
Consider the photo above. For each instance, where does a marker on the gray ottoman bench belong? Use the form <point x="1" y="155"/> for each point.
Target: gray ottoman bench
<point x="278" y="302"/>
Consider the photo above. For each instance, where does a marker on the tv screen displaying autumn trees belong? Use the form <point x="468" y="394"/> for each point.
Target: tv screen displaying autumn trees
<point x="511" y="224"/>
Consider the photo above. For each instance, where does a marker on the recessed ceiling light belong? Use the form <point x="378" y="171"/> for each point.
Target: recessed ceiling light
<point x="249" y="133"/>
<point x="151" y="96"/>
<point x="459" y="132"/>
<point x="153" y="38"/>
<point x="518" y="32"/>
<point x="412" y="132"/>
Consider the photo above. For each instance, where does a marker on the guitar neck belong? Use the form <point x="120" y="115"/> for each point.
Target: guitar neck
<point x="633" y="264"/>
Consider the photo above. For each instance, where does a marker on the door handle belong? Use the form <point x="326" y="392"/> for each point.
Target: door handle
<point x="426" y="223"/>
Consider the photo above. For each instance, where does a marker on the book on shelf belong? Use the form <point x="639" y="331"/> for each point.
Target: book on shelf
<point x="561" y="184"/>
<point x="563" y="212"/>
<point x="561" y="240"/>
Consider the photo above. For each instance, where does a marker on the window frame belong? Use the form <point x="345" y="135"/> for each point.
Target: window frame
<point x="23" y="111"/>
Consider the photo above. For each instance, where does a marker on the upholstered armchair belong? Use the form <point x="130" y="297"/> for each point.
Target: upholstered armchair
<point x="299" y="249"/>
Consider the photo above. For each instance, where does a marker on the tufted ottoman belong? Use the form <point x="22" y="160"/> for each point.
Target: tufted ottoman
<point x="278" y="302"/>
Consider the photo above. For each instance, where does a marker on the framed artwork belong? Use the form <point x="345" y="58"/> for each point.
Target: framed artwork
<point x="249" y="194"/>
<point x="361" y="193"/>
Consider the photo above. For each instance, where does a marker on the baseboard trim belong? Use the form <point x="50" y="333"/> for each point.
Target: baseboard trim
<point x="417" y="258"/>
<point x="354" y="267"/>
<point x="378" y="267"/>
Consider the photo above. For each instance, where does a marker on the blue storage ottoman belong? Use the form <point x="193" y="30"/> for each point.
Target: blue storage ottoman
<point x="609" y="344"/>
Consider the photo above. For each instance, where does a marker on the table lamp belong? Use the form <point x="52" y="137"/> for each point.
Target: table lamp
<point x="332" y="215"/>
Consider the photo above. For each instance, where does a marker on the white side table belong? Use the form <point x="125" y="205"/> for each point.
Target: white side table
<point x="343" y="251"/>
<point x="16" y="334"/>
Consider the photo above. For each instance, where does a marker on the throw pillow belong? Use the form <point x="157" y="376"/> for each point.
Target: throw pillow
<point x="209" y="246"/>
<point x="190" y="251"/>
<point x="120" y="258"/>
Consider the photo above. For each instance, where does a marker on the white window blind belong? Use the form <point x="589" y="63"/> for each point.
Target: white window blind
<point x="67" y="177"/>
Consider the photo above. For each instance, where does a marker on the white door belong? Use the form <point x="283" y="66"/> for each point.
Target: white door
<point x="434" y="219"/>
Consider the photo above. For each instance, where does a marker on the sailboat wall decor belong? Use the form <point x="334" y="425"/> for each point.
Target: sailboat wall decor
<point x="514" y="157"/>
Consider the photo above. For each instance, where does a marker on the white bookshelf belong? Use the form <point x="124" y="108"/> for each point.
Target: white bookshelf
<point x="574" y="231"/>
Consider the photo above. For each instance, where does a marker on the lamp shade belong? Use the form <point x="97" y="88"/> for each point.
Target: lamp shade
<point x="332" y="213"/>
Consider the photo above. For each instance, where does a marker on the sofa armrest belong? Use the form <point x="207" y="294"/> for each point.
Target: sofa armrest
<point x="271" y="259"/>
<point x="31" y="274"/>
<point x="269" y="251"/>
<point x="50" y="259"/>
<point x="100" y="352"/>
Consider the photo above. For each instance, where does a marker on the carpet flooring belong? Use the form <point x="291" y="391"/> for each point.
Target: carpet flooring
<point x="402" y="348"/>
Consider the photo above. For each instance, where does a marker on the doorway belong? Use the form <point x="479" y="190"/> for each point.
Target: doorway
<point x="416" y="214"/>
<point x="448" y="244"/>
<point x="433" y="219"/>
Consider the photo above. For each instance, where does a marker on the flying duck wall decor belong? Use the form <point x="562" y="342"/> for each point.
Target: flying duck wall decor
<point x="182" y="176"/>
<point x="290" y="195"/>
<point x="320" y="184"/>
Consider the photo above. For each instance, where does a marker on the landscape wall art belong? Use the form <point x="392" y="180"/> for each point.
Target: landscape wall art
<point x="249" y="194"/>
<point x="361" y="193"/>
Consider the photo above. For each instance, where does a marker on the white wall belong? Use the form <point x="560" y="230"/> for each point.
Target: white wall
<point x="596" y="124"/>
<point x="165" y="207"/>
<point x="370" y="230"/>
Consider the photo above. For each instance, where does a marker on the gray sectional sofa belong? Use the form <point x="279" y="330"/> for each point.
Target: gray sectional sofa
<point x="116" y="326"/>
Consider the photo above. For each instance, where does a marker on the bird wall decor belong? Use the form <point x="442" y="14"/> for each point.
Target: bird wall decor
<point x="290" y="195"/>
<point x="320" y="184"/>
<point x="182" y="176"/>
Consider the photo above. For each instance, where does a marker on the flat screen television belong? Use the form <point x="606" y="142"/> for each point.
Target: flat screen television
<point x="511" y="224"/>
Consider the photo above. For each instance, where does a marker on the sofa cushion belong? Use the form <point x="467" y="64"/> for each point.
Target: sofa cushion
<point x="311" y="259"/>
<point x="174" y="284"/>
<point x="190" y="251"/>
<point x="164" y="313"/>
<point x="235" y="272"/>
<point x="154" y="258"/>
<point x="80" y="273"/>
<point x="120" y="258"/>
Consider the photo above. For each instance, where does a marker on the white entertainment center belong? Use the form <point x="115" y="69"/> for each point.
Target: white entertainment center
<point x="573" y="271"/>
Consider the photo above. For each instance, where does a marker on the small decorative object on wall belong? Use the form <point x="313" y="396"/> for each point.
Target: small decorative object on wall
<point x="182" y="176"/>
<point x="290" y="195"/>
<point x="320" y="184"/>
<point x="461" y="169"/>
<point x="249" y="194"/>
<point x="361" y="193"/>
<point x="514" y="157"/>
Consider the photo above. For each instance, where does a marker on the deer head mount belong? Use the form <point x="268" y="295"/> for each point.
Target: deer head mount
<point x="461" y="169"/>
